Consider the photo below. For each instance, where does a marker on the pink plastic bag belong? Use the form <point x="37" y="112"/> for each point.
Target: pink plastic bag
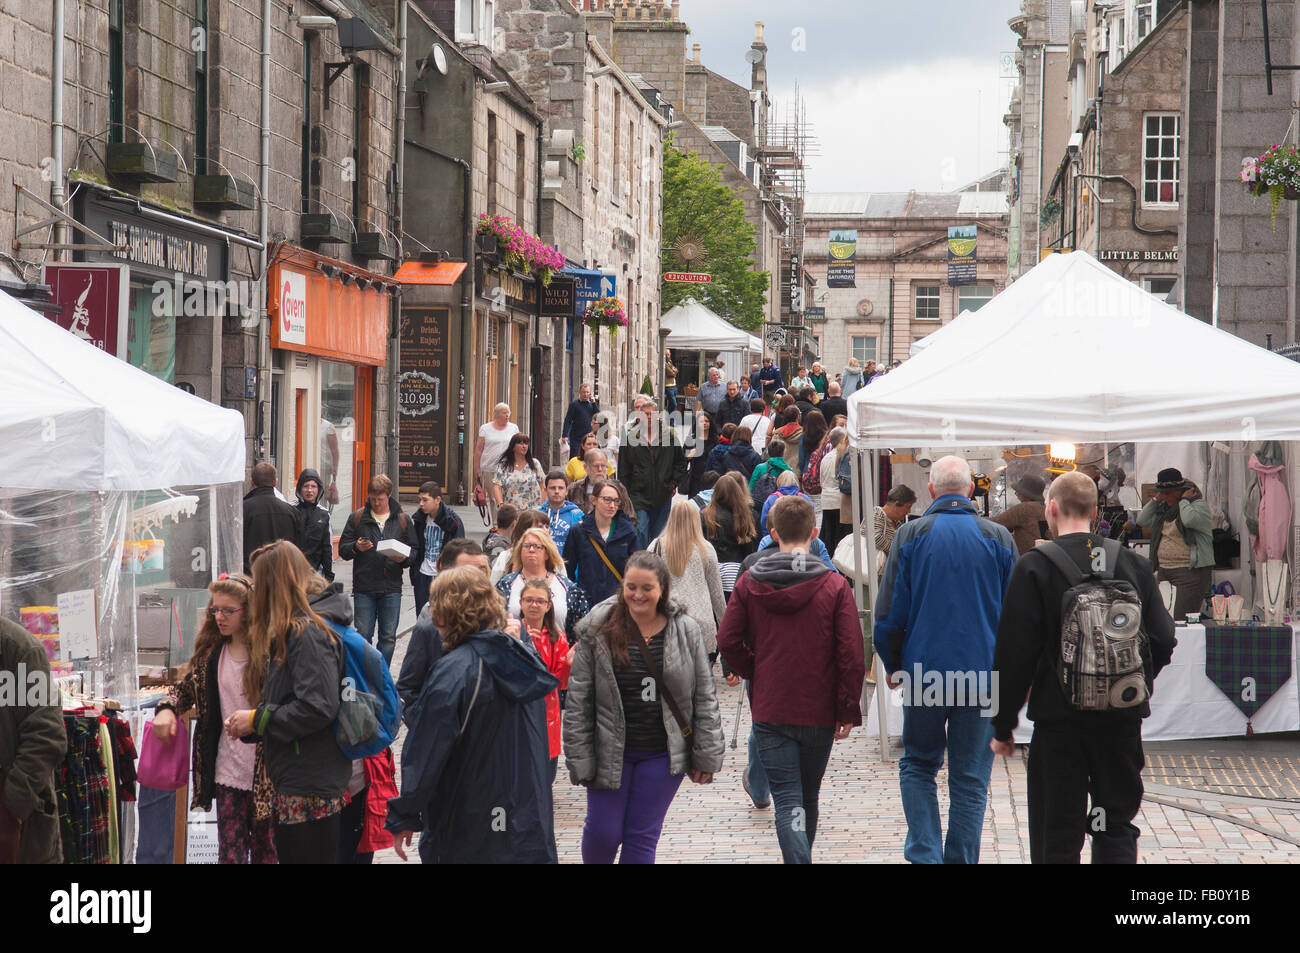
<point x="164" y="767"/>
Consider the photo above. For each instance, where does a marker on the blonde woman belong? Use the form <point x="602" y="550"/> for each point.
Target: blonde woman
<point x="693" y="570"/>
<point x="535" y="557"/>
<point x="852" y="378"/>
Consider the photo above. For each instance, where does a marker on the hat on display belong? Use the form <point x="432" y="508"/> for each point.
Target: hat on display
<point x="1170" y="479"/>
<point x="1029" y="488"/>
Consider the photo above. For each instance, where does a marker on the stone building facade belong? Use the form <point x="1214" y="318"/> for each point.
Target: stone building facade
<point x="901" y="291"/>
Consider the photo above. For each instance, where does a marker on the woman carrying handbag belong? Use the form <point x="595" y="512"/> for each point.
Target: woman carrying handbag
<point x="640" y="714"/>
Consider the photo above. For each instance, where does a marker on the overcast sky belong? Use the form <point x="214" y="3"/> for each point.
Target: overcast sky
<point x="900" y="95"/>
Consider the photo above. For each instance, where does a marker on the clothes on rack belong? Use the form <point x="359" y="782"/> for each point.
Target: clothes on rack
<point x="84" y="796"/>
<point x="124" y="756"/>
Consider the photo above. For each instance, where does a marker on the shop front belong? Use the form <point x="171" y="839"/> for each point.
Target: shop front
<point x="329" y="334"/>
<point x="505" y="309"/>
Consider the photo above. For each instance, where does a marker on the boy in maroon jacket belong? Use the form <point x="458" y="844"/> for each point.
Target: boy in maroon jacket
<point x="792" y="629"/>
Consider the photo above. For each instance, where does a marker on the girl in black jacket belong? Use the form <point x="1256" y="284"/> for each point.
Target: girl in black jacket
<point x="728" y="523"/>
<point x="297" y="700"/>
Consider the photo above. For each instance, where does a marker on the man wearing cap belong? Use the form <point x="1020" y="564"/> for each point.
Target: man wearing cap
<point x="1182" y="544"/>
<point x="1023" y="518"/>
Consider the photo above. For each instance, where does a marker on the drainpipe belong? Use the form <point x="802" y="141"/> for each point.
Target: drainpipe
<point x="263" y="230"/>
<point x="56" y="127"/>
<point x="535" y="395"/>
<point x="395" y="360"/>
<point x="466" y="309"/>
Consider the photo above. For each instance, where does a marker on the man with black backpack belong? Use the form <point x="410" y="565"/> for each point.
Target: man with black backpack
<point x="1084" y="631"/>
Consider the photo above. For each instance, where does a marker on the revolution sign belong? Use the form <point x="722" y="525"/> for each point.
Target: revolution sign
<point x="691" y="277"/>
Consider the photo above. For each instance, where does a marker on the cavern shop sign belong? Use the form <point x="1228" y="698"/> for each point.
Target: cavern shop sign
<point x="1138" y="254"/>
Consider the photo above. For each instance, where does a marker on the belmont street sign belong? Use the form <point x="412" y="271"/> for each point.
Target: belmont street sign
<point x="1134" y="254"/>
<point x="691" y="277"/>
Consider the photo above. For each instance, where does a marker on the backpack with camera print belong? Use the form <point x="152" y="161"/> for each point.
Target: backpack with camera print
<point x="1102" y="642"/>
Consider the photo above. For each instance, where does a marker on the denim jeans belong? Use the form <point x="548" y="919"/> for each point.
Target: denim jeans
<point x="387" y="606"/>
<point x="650" y="523"/>
<point x="965" y="734"/>
<point x="759" y="790"/>
<point x="794" y="758"/>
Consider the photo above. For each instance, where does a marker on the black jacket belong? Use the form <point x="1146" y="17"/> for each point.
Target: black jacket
<point x="577" y="423"/>
<point x="1029" y="640"/>
<point x="268" y="518"/>
<point x="317" y="538"/>
<point x="452" y="528"/>
<point x="732" y="412"/>
<point x="422" y="653"/>
<point x="300" y="701"/>
<point x="831" y="406"/>
<point x="376" y="574"/>
<point x="697" y="466"/>
<point x="476" y="776"/>
<point x="651" y="468"/>
<point x="583" y="562"/>
<point x="729" y="549"/>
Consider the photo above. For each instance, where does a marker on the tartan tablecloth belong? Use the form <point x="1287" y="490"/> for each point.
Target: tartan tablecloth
<point x="1234" y="653"/>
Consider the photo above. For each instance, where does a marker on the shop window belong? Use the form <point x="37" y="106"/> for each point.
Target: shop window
<point x="864" y="348"/>
<point x="151" y="337"/>
<point x="926" y="303"/>
<point x="338" y="429"/>
<point x="973" y="297"/>
<point x="1159" y="286"/>
<point x="1160" y="159"/>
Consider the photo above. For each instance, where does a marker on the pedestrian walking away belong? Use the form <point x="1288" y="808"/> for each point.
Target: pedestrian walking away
<point x="1024" y="517"/>
<point x="297" y="696"/>
<point x="1085" y="758"/>
<point x="377" y="576"/>
<point x="267" y="517"/>
<point x="937" y="618"/>
<point x="693" y="571"/>
<point x="578" y="418"/>
<point x="475" y="764"/>
<point x="791" y="629"/>
<point x="640" y="715"/>
<point x="217" y="682"/>
<point x="317" y="536"/>
<point x="434" y="524"/>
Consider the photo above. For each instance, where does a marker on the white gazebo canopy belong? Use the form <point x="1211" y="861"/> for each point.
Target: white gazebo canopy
<point x="694" y="327"/>
<point x="75" y="418"/>
<point x="1072" y="351"/>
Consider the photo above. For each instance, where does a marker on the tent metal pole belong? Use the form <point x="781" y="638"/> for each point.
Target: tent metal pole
<point x="865" y="585"/>
<point x="882" y="682"/>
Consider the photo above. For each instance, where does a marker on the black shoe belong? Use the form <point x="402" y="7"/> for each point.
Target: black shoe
<point x="744" y="782"/>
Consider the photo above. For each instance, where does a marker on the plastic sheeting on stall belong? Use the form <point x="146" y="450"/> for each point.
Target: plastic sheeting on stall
<point x="87" y="571"/>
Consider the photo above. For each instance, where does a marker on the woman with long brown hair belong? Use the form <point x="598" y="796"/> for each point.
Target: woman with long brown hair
<point x="814" y="434"/>
<point x="631" y="747"/>
<point x="728" y="523"/>
<point x="217" y="683"/>
<point x="296" y="676"/>
<point x="693" y="571"/>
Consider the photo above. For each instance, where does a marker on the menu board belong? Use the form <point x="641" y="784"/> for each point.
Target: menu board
<point x="424" y="395"/>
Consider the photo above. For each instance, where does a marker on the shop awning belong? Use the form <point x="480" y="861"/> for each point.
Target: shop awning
<point x="430" y="272"/>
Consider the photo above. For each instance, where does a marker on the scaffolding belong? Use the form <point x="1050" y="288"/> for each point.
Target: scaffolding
<point x="788" y="147"/>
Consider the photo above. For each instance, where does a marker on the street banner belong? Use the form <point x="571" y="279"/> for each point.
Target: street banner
<point x="962" y="240"/>
<point x="422" y="398"/>
<point x="841" y="267"/>
<point x="95" y="303"/>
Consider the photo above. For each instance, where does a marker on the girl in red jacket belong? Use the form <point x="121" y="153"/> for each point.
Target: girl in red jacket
<point x="539" y="619"/>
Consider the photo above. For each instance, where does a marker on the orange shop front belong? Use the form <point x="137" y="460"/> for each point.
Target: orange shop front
<point x="329" y="331"/>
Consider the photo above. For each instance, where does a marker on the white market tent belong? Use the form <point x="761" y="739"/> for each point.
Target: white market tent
<point x="693" y="327"/>
<point x="75" y="418"/>
<point x="1074" y="352"/>
<point x="1070" y="352"/>
<point x="920" y="344"/>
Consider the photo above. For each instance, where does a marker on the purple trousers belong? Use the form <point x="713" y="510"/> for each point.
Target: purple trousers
<point x="633" y="815"/>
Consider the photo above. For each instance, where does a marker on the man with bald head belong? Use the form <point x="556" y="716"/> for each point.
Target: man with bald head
<point x="937" y="620"/>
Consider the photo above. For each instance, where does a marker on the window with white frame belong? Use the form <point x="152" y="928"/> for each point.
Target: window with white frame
<point x="926" y="303"/>
<point x="1145" y="11"/>
<point x="973" y="297"/>
<point x="475" y="20"/>
<point x="1160" y="286"/>
<point x="864" y="347"/>
<point x="1160" y="159"/>
<point x="1119" y="41"/>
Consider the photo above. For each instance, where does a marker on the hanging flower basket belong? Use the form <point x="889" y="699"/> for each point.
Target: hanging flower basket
<point x="606" y="312"/>
<point x="1276" y="174"/>
<point x="518" y="250"/>
<point x="1049" y="213"/>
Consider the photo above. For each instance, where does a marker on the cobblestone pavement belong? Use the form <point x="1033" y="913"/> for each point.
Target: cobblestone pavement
<point x="862" y="820"/>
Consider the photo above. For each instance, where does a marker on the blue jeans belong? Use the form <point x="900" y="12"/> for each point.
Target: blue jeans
<point x="794" y="757"/>
<point x="387" y="606"/>
<point x="927" y="732"/>
<point x="670" y="399"/>
<point x="650" y="523"/>
<point x="759" y="790"/>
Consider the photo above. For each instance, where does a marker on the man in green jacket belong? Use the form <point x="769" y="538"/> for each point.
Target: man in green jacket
<point x="651" y="465"/>
<point x="32" y="743"/>
<point x="1182" y="544"/>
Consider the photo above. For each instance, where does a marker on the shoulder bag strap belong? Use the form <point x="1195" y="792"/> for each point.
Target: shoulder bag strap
<point x="600" y="551"/>
<point x="682" y="723"/>
<point x="478" y="682"/>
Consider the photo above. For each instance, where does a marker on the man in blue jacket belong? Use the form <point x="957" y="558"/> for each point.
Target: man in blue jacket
<point x="936" y="627"/>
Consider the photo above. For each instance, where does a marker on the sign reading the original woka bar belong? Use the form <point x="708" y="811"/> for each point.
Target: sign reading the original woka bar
<point x="158" y="248"/>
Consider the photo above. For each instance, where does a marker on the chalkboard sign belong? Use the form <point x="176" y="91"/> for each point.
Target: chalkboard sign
<point x="423" y="394"/>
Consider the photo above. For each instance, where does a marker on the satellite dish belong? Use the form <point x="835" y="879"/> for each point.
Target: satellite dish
<point x="439" y="57"/>
<point x="753" y="56"/>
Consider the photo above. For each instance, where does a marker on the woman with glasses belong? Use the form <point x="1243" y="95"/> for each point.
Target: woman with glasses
<point x="596" y="550"/>
<point x="535" y="559"/>
<point x="548" y="638"/>
<point x="519" y="478"/>
<point x="216" y="684"/>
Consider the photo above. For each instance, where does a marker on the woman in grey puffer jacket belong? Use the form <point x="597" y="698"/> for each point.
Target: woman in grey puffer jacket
<point x="621" y="737"/>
